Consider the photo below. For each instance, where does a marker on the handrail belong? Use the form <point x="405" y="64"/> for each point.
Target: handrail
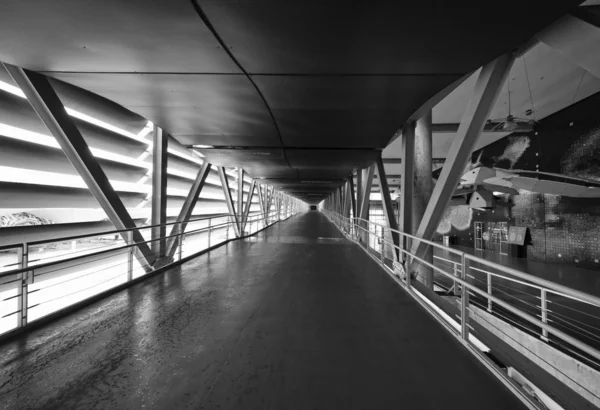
<point x="544" y="285"/>
<point x="125" y="246"/>
<point x="76" y="258"/>
<point x="456" y="252"/>
<point x="90" y="265"/>
<point x="556" y="287"/>
<point x="116" y="231"/>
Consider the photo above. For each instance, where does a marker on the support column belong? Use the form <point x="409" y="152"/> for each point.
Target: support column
<point x="423" y="185"/>
<point x="352" y="197"/>
<point x="359" y="192"/>
<point x="51" y="111"/>
<point x="367" y="181"/>
<point x="186" y="210"/>
<point x="248" y="205"/>
<point x="240" y="200"/>
<point x="159" y="192"/>
<point x="388" y="208"/>
<point x="229" y="200"/>
<point x="270" y="192"/>
<point x="491" y="79"/>
<point x="347" y="199"/>
<point x="406" y="181"/>
<point x="261" y="202"/>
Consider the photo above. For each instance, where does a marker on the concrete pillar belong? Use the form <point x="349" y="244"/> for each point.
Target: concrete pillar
<point x="406" y="182"/>
<point x="423" y="186"/>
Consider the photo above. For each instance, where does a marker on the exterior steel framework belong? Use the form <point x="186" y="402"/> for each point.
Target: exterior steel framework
<point x="51" y="111"/>
<point x="229" y="200"/>
<point x="159" y="192"/>
<point x="388" y="208"/>
<point x="488" y="87"/>
<point x="186" y="210"/>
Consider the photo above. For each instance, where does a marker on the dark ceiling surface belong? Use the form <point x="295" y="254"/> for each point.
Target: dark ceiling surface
<point x="297" y="92"/>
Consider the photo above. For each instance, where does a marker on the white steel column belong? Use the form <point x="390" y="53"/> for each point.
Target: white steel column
<point x="488" y="86"/>
<point x="159" y="192"/>
<point x="47" y="105"/>
<point x="186" y="210"/>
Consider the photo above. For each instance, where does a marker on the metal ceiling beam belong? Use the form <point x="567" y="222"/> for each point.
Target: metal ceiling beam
<point x="486" y="91"/>
<point x="451" y="128"/>
<point x="388" y="208"/>
<point x="159" y="193"/>
<point x="399" y="161"/>
<point x="229" y="200"/>
<point x="51" y="111"/>
<point x="187" y="209"/>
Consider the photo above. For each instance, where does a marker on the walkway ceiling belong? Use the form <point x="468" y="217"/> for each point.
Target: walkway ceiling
<point x="298" y="93"/>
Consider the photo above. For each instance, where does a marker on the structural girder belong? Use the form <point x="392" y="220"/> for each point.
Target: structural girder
<point x="51" y="111"/>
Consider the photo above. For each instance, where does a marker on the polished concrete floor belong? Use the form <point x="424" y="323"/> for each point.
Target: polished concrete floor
<point x="295" y="318"/>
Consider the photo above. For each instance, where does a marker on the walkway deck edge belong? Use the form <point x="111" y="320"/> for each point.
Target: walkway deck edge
<point x="491" y="366"/>
<point x="59" y="314"/>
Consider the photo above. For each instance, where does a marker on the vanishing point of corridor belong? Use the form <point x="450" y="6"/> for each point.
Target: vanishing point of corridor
<point x="296" y="317"/>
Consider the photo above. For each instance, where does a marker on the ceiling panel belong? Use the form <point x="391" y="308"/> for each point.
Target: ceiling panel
<point x="345" y="111"/>
<point x="332" y="76"/>
<point x="330" y="158"/>
<point x="274" y="36"/>
<point x="258" y="163"/>
<point x="109" y="36"/>
<point x="213" y="105"/>
<point x="274" y="172"/>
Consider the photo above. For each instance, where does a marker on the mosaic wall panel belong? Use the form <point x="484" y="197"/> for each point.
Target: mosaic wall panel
<point x="537" y="249"/>
<point x="565" y="229"/>
<point x="572" y="229"/>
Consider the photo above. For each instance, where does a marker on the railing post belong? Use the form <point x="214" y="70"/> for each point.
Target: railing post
<point x="464" y="306"/>
<point x="181" y="245"/>
<point x="130" y="256"/>
<point x="209" y="229"/>
<point x="407" y="263"/>
<point x="489" y="291"/>
<point x="544" y="298"/>
<point x="22" y="296"/>
<point x="381" y="247"/>
<point x="228" y="226"/>
<point x="456" y="274"/>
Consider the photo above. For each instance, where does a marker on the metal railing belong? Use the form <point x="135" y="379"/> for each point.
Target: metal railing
<point x="41" y="278"/>
<point x="564" y="318"/>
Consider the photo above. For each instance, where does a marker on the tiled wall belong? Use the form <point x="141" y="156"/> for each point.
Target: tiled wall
<point x="560" y="228"/>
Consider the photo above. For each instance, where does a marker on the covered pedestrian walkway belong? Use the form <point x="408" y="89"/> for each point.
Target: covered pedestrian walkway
<point x="296" y="317"/>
